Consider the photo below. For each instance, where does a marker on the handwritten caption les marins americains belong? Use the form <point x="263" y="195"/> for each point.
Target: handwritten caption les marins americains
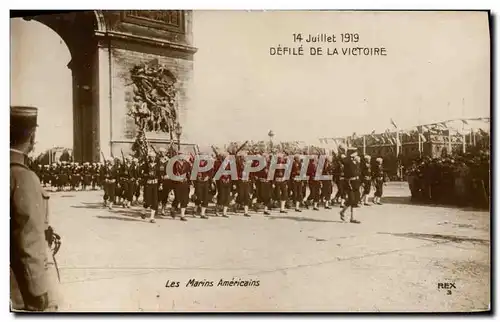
<point x="234" y="282"/>
<point x="326" y="44"/>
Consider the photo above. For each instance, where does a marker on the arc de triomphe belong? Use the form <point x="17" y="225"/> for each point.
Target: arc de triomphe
<point x="104" y="47"/>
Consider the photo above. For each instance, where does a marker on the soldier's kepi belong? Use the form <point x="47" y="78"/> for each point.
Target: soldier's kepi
<point x="33" y="281"/>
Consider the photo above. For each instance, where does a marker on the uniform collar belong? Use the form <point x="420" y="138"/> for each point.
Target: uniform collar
<point x="17" y="156"/>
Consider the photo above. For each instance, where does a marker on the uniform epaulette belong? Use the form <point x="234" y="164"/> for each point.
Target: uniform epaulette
<point x="22" y="165"/>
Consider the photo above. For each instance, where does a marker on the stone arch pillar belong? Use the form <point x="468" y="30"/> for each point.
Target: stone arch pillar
<point x="77" y="29"/>
<point x="104" y="46"/>
<point x="133" y="38"/>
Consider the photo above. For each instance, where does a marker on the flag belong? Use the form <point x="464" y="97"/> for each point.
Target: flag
<point x="374" y="137"/>
<point x="465" y="122"/>
<point x="483" y="132"/>
<point x="443" y="124"/>
<point x="422" y="137"/>
<point x="393" y="123"/>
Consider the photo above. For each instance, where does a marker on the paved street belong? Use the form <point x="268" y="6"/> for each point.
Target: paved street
<point x="309" y="261"/>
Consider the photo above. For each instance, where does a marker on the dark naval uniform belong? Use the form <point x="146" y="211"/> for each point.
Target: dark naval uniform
<point x="265" y="186"/>
<point x="182" y="168"/>
<point x="223" y="185"/>
<point x="165" y="185"/>
<point x="378" y="178"/>
<point x="32" y="268"/>
<point x="314" y="185"/>
<point x="366" y="177"/>
<point x="327" y="185"/>
<point x="244" y="184"/>
<point x="150" y="177"/>
<point x="202" y="185"/>
<point x="352" y="172"/>
<point x="109" y="174"/>
<point x="76" y="176"/>
<point x="296" y="183"/>
<point x="127" y="177"/>
<point x="340" y="181"/>
<point x="33" y="276"/>
<point x="87" y="176"/>
<point x="280" y="184"/>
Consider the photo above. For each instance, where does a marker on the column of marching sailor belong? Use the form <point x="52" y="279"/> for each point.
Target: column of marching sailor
<point x="249" y="180"/>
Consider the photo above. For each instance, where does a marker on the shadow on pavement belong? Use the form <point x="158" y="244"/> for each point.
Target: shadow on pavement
<point x="406" y="200"/>
<point x="89" y="205"/>
<point x="433" y="237"/>
<point x="120" y="218"/>
<point x="304" y="219"/>
<point x="403" y="200"/>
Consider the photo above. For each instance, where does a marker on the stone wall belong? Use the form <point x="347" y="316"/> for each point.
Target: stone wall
<point x="137" y="40"/>
<point x="123" y="60"/>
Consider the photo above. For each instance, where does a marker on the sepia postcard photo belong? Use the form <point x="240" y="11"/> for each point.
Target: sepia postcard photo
<point x="250" y="161"/>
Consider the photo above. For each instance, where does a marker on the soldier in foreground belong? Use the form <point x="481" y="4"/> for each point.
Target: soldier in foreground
<point x="280" y="184"/>
<point x="223" y="185"/>
<point x="297" y="184"/>
<point x="128" y="177"/>
<point x="379" y="179"/>
<point x="164" y="185"/>
<point x="33" y="281"/>
<point x="366" y="179"/>
<point x="202" y="188"/>
<point x="327" y="185"/>
<point x="351" y="172"/>
<point x="109" y="179"/>
<point x="244" y="185"/>
<point x="314" y="184"/>
<point x="182" y="168"/>
<point x="150" y="178"/>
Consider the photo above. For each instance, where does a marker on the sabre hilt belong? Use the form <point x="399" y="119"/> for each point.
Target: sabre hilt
<point x="53" y="239"/>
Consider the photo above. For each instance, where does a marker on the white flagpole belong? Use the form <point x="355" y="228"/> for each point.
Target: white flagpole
<point x="397" y="143"/>
<point x="364" y="144"/>
<point x="419" y="143"/>
<point x="449" y="141"/>
<point x="463" y="136"/>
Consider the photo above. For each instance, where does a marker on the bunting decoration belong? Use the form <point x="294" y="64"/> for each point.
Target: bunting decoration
<point x="450" y="134"/>
<point x="394" y="123"/>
